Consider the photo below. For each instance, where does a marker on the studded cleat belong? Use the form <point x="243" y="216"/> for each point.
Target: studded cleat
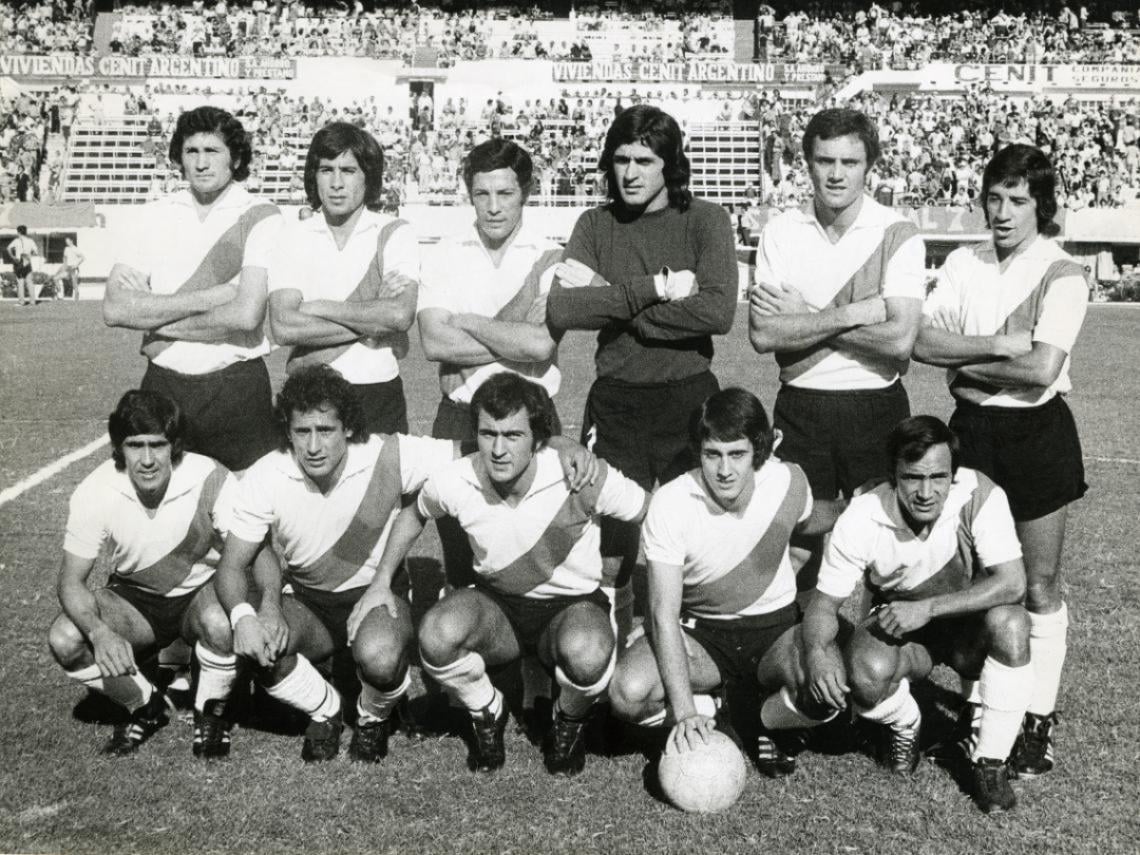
<point x="370" y="741"/>
<point x="902" y="754"/>
<point x="142" y="724"/>
<point x="770" y="758"/>
<point x="322" y="739"/>
<point x="487" y="751"/>
<point x="992" y="791"/>
<point x="1033" y="751"/>
<point x="212" y="731"/>
<point x="564" y="751"/>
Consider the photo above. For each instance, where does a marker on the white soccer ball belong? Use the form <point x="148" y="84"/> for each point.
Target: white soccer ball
<point x="706" y="779"/>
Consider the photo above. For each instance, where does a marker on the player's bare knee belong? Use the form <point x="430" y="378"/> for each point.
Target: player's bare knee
<point x="1008" y="631"/>
<point x="68" y="645"/>
<point x="631" y="693"/>
<point x="583" y="653"/>
<point x="443" y="635"/>
<point x="382" y="660"/>
<point x="211" y="627"/>
<point x="870" y="673"/>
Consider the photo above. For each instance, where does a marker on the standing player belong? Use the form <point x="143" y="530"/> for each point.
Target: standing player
<point x="721" y="585"/>
<point x="21" y="251"/>
<point x="69" y="270"/>
<point x="937" y="548"/>
<point x="654" y="271"/>
<point x="342" y="286"/>
<point x="1004" y="318"/>
<point x="165" y="512"/>
<point x="482" y="306"/>
<point x="537" y="566"/>
<point x="193" y="280"/>
<point x="838" y="298"/>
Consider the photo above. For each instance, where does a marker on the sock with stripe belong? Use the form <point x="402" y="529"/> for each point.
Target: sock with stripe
<point x="377" y="704"/>
<point x="131" y="691"/>
<point x="466" y="680"/>
<point x="779" y="712"/>
<point x="305" y="689"/>
<point x="898" y="710"/>
<point x="216" y="675"/>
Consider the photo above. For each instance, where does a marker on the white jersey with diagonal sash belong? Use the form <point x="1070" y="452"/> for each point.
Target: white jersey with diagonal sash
<point x="872" y="542"/>
<point x="733" y="563"/>
<point x="170" y="551"/>
<point x="334" y="542"/>
<point x="177" y="251"/>
<point x="548" y="545"/>
<point x="881" y="254"/>
<point x="1042" y="290"/>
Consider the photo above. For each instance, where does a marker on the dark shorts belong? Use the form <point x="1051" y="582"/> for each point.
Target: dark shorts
<point x="229" y="413"/>
<point x="164" y="614"/>
<point x="736" y="646"/>
<point x="385" y="409"/>
<point x="453" y="421"/>
<point x="1033" y="453"/>
<point x="838" y="438"/>
<point x="529" y="617"/>
<point x="21" y="270"/>
<point x="950" y="641"/>
<point x="332" y="608"/>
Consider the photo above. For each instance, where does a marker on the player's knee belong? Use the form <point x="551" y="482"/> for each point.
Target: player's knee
<point x="212" y="628"/>
<point x="67" y="643"/>
<point x="1008" y="631"/>
<point x="583" y="653"/>
<point x="382" y="659"/>
<point x="870" y="672"/>
<point x="630" y="692"/>
<point x="443" y="634"/>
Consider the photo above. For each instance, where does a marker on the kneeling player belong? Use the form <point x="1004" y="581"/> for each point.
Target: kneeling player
<point x="936" y="545"/>
<point x="721" y="586"/>
<point x="538" y="566"/>
<point x="165" y="513"/>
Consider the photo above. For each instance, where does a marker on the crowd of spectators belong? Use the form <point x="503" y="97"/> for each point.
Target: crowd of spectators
<point x="30" y="171"/>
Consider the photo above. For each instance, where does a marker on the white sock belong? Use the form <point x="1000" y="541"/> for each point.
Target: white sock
<point x="216" y="675"/>
<point x="1047" y="646"/>
<point x="970" y="690"/>
<point x="466" y="680"/>
<point x="535" y="680"/>
<point x="1005" y="691"/>
<point x="898" y="711"/>
<point x="575" y="701"/>
<point x="377" y="705"/>
<point x="131" y="691"/>
<point x="779" y="712"/>
<point x="305" y="689"/>
<point x="656" y="719"/>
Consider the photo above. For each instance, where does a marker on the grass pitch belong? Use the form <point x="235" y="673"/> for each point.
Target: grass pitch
<point x="61" y="372"/>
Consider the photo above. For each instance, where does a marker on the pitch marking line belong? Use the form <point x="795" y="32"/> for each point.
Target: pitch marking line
<point x="1131" y="460"/>
<point x="52" y="469"/>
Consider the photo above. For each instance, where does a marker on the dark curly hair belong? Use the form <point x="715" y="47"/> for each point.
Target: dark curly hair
<point x="214" y="120"/>
<point x="506" y="393"/>
<point x="333" y="140"/>
<point x="316" y="387"/>
<point x="729" y="415"/>
<point x="656" y="130"/>
<point x="911" y="438"/>
<point x="1019" y="162"/>
<point x="142" y="412"/>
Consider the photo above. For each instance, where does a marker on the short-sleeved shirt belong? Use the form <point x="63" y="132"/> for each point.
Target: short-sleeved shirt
<point x="1042" y="290"/>
<point x="872" y="542"/>
<point x="733" y="563"/>
<point x="173" y="244"/>
<point x="546" y="546"/>
<point x="309" y="261"/>
<point x="460" y="277"/>
<point x="105" y="507"/>
<point x="275" y="494"/>
<point x="881" y="254"/>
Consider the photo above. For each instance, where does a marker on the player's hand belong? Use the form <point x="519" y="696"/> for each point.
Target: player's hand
<point x="902" y="616"/>
<point x="690" y="733"/>
<point x="774" y="300"/>
<point x="113" y="653"/>
<point x="394" y="284"/>
<point x="1013" y="345"/>
<point x="826" y="677"/>
<point x="865" y="313"/>
<point x="580" y="466"/>
<point x="372" y="598"/>
<point x="679" y="284"/>
<point x="574" y="274"/>
<point x="251" y="641"/>
<point x="276" y="629"/>
<point x="133" y="280"/>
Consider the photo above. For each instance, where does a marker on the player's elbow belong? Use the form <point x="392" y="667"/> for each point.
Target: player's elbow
<point x="761" y="341"/>
<point x="115" y="311"/>
<point x="434" y="351"/>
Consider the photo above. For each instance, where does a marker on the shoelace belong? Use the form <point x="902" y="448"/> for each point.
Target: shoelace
<point x="902" y="744"/>
<point x="566" y="733"/>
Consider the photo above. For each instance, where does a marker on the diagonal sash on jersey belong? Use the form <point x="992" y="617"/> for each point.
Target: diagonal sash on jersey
<point x="959" y="572"/>
<point x="550" y="551"/>
<point x="352" y="549"/>
<point x="368" y="288"/>
<point x="170" y="571"/>
<point x="865" y="283"/>
<point x="221" y="264"/>
<point x="516" y="310"/>
<point x="1023" y="318"/>
<point x="745" y="583"/>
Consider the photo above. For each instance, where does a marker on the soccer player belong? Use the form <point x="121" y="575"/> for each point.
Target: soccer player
<point x="838" y="298"/>
<point x="21" y="250"/>
<point x="654" y="271"/>
<point x="482" y="305"/>
<point x="537" y="565"/>
<point x="193" y="280"/>
<point x="721" y="585"/>
<point x="936" y="546"/>
<point x="1003" y="319"/>
<point x="165" y="512"/>
<point x="342" y="285"/>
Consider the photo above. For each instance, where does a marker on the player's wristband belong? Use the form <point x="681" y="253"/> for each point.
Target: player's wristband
<point x="241" y="610"/>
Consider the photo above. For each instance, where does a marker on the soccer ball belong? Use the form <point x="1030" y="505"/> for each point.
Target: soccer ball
<point x="706" y="779"/>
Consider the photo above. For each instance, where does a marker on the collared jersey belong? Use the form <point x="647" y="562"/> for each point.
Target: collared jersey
<point x="460" y="277"/>
<point x="172" y="247"/>
<point x="1042" y="290"/>
<point x="872" y="542"/>
<point x="106" y="507"/>
<point x="733" y="563"/>
<point x="309" y="261"/>
<point x="547" y="545"/>
<point x="275" y="494"/>
<point x="880" y="254"/>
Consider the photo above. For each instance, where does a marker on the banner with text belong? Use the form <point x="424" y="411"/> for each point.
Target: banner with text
<point x="1035" y="78"/>
<point x="58" y="65"/>
<point x="693" y="71"/>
